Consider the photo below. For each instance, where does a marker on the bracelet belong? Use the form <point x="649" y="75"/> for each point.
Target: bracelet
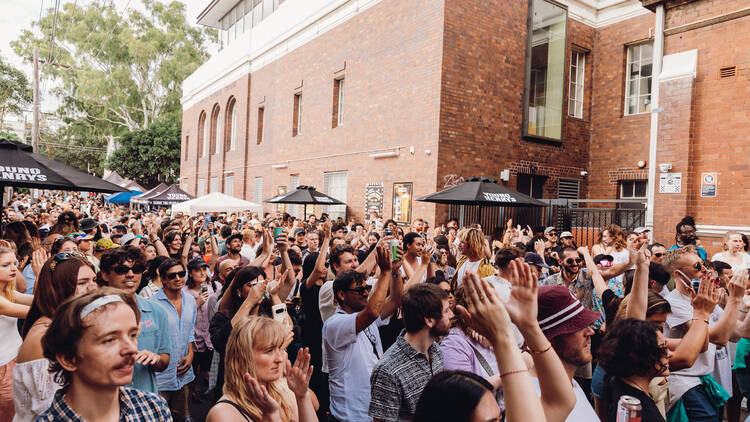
<point x="700" y="319"/>
<point x="517" y="371"/>
<point x="539" y="352"/>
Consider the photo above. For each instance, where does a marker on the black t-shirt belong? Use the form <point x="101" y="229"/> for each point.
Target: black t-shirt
<point x="312" y="324"/>
<point x="615" y="387"/>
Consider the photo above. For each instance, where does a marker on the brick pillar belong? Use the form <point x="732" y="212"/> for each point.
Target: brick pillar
<point x="674" y="140"/>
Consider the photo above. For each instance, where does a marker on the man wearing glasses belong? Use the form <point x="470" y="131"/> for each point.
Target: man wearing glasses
<point x="686" y="236"/>
<point x="122" y="268"/>
<point x="657" y="252"/>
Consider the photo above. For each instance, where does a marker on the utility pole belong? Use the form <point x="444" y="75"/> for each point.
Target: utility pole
<point x="35" y="122"/>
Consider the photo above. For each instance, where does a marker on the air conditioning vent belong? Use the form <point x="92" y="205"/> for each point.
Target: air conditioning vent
<point x="568" y="188"/>
<point x="727" y="72"/>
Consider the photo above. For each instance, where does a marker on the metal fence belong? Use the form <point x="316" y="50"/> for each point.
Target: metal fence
<point x="565" y="215"/>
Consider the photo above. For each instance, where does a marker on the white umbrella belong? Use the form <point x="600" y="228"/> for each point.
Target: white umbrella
<point x="216" y="202"/>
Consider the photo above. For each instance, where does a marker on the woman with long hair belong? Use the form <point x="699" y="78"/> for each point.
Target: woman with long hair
<point x="473" y="256"/>
<point x="63" y="276"/>
<point x="13" y="305"/>
<point x="260" y="382"/>
<point x="612" y="241"/>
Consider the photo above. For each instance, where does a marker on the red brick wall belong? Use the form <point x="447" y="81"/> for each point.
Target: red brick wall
<point x="618" y="142"/>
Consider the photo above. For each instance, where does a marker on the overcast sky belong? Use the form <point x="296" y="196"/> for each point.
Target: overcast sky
<point x="18" y="15"/>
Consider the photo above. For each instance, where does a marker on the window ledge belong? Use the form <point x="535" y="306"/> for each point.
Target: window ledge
<point x="579" y="119"/>
<point x="542" y="140"/>
<point x="636" y="114"/>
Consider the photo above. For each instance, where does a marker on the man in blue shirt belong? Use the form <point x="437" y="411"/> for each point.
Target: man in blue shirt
<point x="122" y="268"/>
<point x="181" y="313"/>
<point x="686" y="235"/>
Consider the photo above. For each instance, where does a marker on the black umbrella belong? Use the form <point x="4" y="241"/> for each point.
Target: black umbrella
<point x="22" y="168"/>
<point x="304" y="195"/>
<point x="170" y="196"/>
<point x="482" y="191"/>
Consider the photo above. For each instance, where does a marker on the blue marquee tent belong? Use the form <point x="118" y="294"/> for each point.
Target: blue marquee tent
<point x="122" y="197"/>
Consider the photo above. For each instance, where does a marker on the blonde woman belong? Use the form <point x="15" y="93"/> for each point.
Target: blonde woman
<point x="734" y="252"/>
<point x="260" y="383"/>
<point x="473" y="256"/>
<point x="13" y="305"/>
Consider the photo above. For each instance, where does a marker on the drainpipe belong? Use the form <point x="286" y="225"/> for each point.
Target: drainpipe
<point x="656" y="71"/>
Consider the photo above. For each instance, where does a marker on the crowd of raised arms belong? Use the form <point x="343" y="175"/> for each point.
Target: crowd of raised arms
<point x="111" y="314"/>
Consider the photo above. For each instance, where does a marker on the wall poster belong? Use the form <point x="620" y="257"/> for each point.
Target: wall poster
<point x="402" y="193"/>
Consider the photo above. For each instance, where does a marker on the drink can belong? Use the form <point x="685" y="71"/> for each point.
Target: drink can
<point x="394" y="250"/>
<point x="628" y="409"/>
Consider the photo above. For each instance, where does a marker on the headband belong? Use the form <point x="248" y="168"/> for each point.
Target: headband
<point x="98" y="303"/>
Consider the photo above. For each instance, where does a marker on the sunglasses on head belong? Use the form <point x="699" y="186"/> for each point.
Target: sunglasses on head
<point x="571" y="261"/>
<point x="64" y="256"/>
<point x="361" y="290"/>
<point x="178" y="274"/>
<point x="123" y="269"/>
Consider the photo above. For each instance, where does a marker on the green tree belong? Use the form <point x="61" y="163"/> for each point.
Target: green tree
<point x="125" y="70"/>
<point x="10" y="136"/>
<point x="149" y="156"/>
<point x="15" y="92"/>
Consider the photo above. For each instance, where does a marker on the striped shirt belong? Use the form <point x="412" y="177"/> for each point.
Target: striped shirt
<point x="135" y="406"/>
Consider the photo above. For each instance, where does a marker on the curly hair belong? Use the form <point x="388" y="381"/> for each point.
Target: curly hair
<point x="631" y="348"/>
<point x="618" y="236"/>
<point x="474" y="239"/>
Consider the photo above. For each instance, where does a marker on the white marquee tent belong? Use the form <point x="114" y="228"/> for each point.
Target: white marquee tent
<point x="216" y="202"/>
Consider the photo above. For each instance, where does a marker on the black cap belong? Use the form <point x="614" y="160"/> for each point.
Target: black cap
<point x="535" y="260"/>
<point x="602" y="256"/>
<point x="88" y="224"/>
<point x="234" y="236"/>
<point x="196" y="263"/>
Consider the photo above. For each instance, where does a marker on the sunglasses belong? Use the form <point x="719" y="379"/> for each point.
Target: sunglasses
<point x="64" y="256"/>
<point x="571" y="261"/>
<point x="172" y="276"/>
<point x="361" y="290"/>
<point x="552" y="234"/>
<point x="123" y="269"/>
<point x="449" y="291"/>
<point x="659" y="254"/>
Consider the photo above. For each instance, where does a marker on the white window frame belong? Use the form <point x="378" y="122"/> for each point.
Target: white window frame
<point x="213" y="184"/>
<point x="630" y="61"/>
<point x="293" y="183"/>
<point x="299" y="113"/>
<point x="219" y="134"/>
<point x="258" y="190"/>
<point x="229" y="184"/>
<point x="576" y="90"/>
<point x="337" y="192"/>
<point x="622" y="189"/>
<point x="233" y="133"/>
<point x="201" y="188"/>
<point x="340" y="111"/>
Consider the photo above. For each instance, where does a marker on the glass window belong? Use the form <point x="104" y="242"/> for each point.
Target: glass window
<point x="294" y="209"/>
<point x="575" y="93"/>
<point x="258" y="190"/>
<point x="638" y="80"/>
<point x="335" y="185"/>
<point x="633" y="189"/>
<point x="201" y="187"/>
<point x="338" y="102"/>
<point x="531" y="185"/>
<point x="214" y="185"/>
<point x="229" y="185"/>
<point x="297" y="115"/>
<point x="261" y="112"/>
<point x="545" y="64"/>
<point x="233" y="126"/>
<point x="257" y="12"/>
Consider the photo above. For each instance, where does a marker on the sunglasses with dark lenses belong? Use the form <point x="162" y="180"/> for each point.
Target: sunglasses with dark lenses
<point x="179" y="274"/>
<point x="571" y="261"/>
<point x="659" y="254"/>
<point x="698" y="266"/>
<point x="552" y="234"/>
<point x="64" y="256"/>
<point x="449" y="291"/>
<point x="361" y="290"/>
<point x="123" y="269"/>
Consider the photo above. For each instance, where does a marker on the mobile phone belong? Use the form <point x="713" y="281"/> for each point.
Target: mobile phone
<point x="204" y="288"/>
<point x="694" y="284"/>
<point x="277" y="231"/>
<point x="388" y="232"/>
<point x="279" y="312"/>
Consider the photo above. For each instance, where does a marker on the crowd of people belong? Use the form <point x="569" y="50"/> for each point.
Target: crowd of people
<point x="112" y="314"/>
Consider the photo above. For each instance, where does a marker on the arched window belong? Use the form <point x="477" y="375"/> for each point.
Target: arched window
<point x="202" y="130"/>
<point x="215" y="127"/>
<point x="230" y="137"/>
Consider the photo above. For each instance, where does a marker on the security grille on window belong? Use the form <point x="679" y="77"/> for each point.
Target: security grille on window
<point x="258" y="190"/>
<point x="575" y="93"/>
<point x="335" y="185"/>
<point x="638" y="78"/>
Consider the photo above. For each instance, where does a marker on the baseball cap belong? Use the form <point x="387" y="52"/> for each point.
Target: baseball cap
<point x="105" y="243"/>
<point x="536" y="260"/>
<point x="602" y="256"/>
<point x="566" y="234"/>
<point x="640" y="230"/>
<point x="196" y="263"/>
<point x="548" y="229"/>
<point x="299" y="230"/>
<point x="127" y="237"/>
<point x="561" y="313"/>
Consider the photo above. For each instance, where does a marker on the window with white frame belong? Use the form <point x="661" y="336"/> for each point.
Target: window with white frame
<point x="297" y="115"/>
<point x="258" y="190"/>
<point x="575" y="92"/>
<point x="638" y="78"/>
<point x="214" y="185"/>
<point x="338" y="102"/>
<point x="293" y="183"/>
<point x="233" y="124"/>
<point x="229" y="184"/>
<point x="335" y="185"/>
<point x="201" y="187"/>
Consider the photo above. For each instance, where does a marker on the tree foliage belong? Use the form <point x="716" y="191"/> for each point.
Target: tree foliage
<point x="149" y="156"/>
<point x="125" y="70"/>
<point x="15" y="91"/>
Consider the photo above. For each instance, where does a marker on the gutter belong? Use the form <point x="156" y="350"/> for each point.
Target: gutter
<point x="658" y="53"/>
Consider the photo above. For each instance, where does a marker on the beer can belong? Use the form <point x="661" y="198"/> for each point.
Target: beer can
<point x="394" y="250"/>
<point x="628" y="409"/>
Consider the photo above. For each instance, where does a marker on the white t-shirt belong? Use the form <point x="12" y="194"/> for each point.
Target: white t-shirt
<point x="724" y="257"/>
<point x="582" y="411"/>
<point x="683" y="380"/>
<point x="350" y="357"/>
<point x="11" y="339"/>
<point x="467" y="265"/>
<point x="249" y="252"/>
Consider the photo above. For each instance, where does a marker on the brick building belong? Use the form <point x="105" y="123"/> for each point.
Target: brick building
<point x="385" y="101"/>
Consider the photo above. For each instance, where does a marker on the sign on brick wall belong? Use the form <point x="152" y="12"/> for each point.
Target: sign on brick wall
<point x="670" y="182"/>
<point x="373" y="200"/>
<point x="708" y="185"/>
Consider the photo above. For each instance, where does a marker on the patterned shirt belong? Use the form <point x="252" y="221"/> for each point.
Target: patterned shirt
<point x="398" y="379"/>
<point x="582" y="288"/>
<point x="135" y="406"/>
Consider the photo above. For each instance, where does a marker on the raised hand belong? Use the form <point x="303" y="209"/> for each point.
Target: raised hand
<point x="522" y="304"/>
<point x="706" y="299"/>
<point x="738" y="284"/>
<point x="38" y="258"/>
<point x="259" y="396"/>
<point x="539" y="247"/>
<point x="485" y="311"/>
<point x="298" y="376"/>
<point x="383" y="257"/>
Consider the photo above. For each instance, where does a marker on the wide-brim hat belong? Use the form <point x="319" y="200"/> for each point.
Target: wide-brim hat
<point x="561" y="313"/>
<point x="88" y="224"/>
